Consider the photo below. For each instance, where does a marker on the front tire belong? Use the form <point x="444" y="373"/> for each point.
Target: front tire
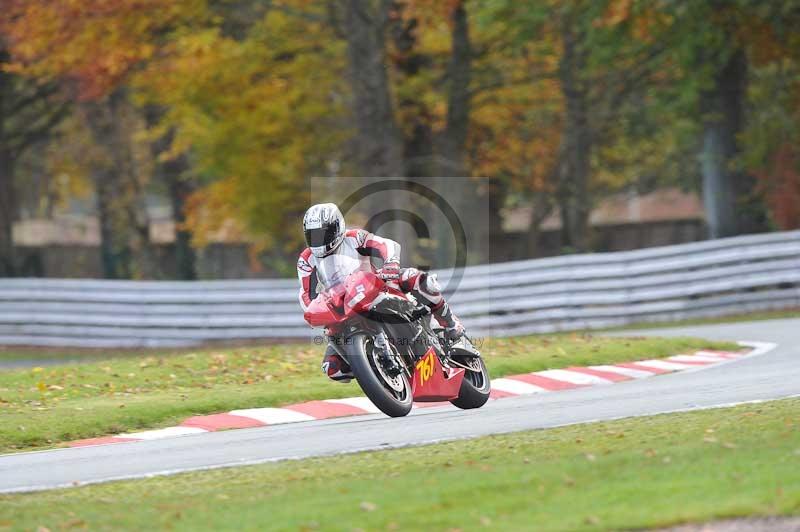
<point x="475" y="388"/>
<point x="391" y="402"/>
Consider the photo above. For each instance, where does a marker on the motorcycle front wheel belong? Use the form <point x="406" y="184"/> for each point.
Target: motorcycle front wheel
<point x="392" y="395"/>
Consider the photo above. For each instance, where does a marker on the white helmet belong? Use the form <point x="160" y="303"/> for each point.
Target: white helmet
<point x="323" y="227"/>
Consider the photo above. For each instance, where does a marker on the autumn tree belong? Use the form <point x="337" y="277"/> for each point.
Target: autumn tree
<point x="262" y="111"/>
<point x="772" y="137"/>
<point x="230" y="105"/>
<point x="516" y="115"/>
<point x="720" y="52"/>
<point x="28" y="112"/>
<point x="430" y="61"/>
<point x="772" y="132"/>
<point x="714" y="54"/>
<point x="92" y="51"/>
<point x="602" y="60"/>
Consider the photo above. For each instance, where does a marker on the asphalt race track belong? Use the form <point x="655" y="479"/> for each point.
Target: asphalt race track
<point x="773" y="375"/>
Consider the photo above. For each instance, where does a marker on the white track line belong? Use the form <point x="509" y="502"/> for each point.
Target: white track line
<point x="273" y="416"/>
<point x="662" y="364"/>
<point x="358" y="402"/>
<point x="759" y="348"/>
<point x="711" y="359"/>
<point x="168" y="432"/>
<point x="573" y="377"/>
<point x="629" y="372"/>
<point x="516" y="387"/>
<point x="723" y="354"/>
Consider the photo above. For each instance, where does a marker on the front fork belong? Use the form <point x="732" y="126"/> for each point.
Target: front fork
<point x="387" y="354"/>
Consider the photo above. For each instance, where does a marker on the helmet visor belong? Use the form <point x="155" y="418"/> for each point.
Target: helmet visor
<point x="323" y="236"/>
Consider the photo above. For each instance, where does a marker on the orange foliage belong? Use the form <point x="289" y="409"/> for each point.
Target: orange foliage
<point x="646" y="20"/>
<point x="764" y="45"/>
<point x="94" y="44"/>
<point x="617" y="12"/>
<point x="506" y="142"/>
<point x="210" y="214"/>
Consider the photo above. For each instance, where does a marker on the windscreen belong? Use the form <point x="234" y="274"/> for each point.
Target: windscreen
<point x="334" y="269"/>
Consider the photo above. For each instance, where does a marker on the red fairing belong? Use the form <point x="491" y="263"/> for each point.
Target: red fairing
<point x="432" y="382"/>
<point x="356" y="296"/>
<point x="361" y="289"/>
<point x="320" y="314"/>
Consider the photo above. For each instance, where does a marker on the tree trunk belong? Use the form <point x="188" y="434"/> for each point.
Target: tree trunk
<point x="534" y="226"/>
<point x="542" y="204"/>
<point x="8" y="192"/>
<point x="114" y="254"/>
<point x="413" y="113"/>
<point x="576" y="150"/>
<point x="490" y="228"/>
<point x="127" y="249"/>
<point x="131" y="195"/>
<point x="8" y="214"/>
<point x="25" y="119"/>
<point x="731" y="203"/>
<point x="174" y="172"/>
<point x="482" y="222"/>
<point x="179" y="190"/>
<point x="454" y="141"/>
<point x="115" y="251"/>
<point x="415" y="125"/>
<point x="378" y="142"/>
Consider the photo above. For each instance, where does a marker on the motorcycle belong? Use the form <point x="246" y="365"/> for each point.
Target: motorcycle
<point x="387" y="338"/>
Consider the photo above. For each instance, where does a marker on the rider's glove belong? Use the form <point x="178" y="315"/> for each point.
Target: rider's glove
<point x="390" y="270"/>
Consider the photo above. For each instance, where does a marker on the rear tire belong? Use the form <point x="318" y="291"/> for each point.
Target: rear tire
<point x="390" y="402"/>
<point x="475" y="388"/>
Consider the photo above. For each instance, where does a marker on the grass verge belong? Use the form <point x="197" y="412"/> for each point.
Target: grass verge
<point x="12" y="356"/>
<point x="734" y="318"/>
<point x="635" y="473"/>
<point x="44" y="406"/>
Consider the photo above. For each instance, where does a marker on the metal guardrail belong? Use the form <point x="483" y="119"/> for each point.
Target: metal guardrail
<point x="713" y="278"/>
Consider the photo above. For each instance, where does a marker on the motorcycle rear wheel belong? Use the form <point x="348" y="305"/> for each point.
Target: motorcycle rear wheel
<point x="362" y="361"/>
<point x="475" y="388"/>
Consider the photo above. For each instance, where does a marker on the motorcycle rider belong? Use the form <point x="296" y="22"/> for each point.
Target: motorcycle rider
<point x="326" y="236"/>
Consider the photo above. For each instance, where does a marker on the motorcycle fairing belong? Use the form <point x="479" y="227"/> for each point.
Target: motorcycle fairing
<point x="322" y="312"/>
<point x="343" y="301"/>
<point x="432" y="382"/>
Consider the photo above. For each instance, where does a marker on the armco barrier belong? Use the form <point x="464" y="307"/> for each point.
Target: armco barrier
<point x="713" y="278"/>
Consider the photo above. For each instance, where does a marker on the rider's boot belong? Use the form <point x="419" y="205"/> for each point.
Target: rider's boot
<point x="335" y="367"/>
<point x="425" y="287"/>
<point x="457" y="339"/>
